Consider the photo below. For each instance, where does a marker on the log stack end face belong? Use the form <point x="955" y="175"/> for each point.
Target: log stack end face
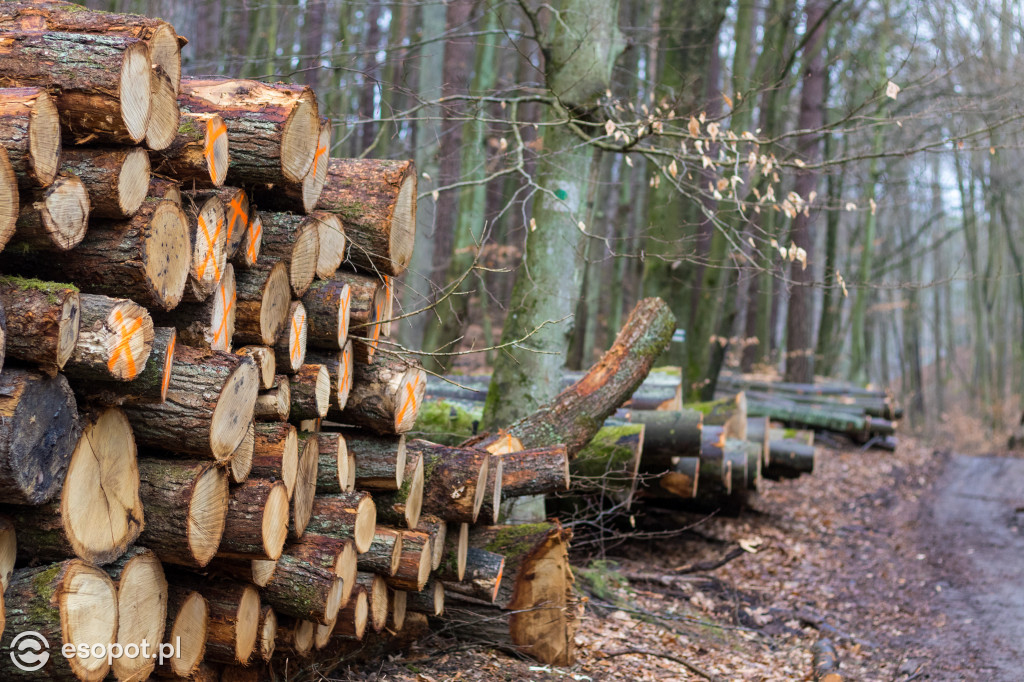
<point x="235" y="406"/>
<point x="9" y="204"/>
<point x="133" y="181"/>
<point x="136" y="91"/>
<point x="168" y="254"/>
<point x="403" y="225"/>
<point x="300" y="138"/>
<point x="207" y="513"/>
<point x="88" y="613"/>
<point x="44" y="139"/>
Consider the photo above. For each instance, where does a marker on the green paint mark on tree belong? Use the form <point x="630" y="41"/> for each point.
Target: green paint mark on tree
<point x="561" y="194"/>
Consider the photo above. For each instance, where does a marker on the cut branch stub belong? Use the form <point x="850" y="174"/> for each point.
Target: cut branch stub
<point x="376" y="201"/>
<point x="211" y="396"/>
<point x="273" y="129"/>
<point x="43" y="320"/>
<point x="115" y="339"/>
<point x="30" y="129"/>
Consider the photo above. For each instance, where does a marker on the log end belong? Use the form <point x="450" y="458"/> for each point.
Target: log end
<point x="365" y="525"/>
<point x="299" y="138"/>
<point x="247" y="621"/>
<point x="44" y="139"/>
<point x="262" y="571"/>
<point x="64" y="212"/>
<point x="167" y="254"/>
<point x="128" y="340"/>
<point x="234" y="411"/>
<point x="274" y="524"/>
<point x="164" y="111"/>
<point x="402" y="236"/>
<point x="142" y="613"/>
<point x="331" y="253"/>
<point x="207" y="514"/>
<point x="8" y="551"/>
<point x="133" y="181"/>
<point x="411" y="390"/>
<point x="189" y="627"/>
<point x="136" y="91"/>
<point x="304" y="256"/>
<point x="399" y="601"/>
<point x="267" y="634"/>
<point x="88" y="606"/>
<point x="316" y="178"/>
<point x="275" y="302"/>
<point x="216" y="151"/>
<point x="9" y="204"/>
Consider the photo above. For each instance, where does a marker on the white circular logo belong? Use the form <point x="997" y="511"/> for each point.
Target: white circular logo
<point x="29" y="651"/>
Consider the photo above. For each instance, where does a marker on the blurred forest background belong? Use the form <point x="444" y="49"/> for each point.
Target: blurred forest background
<point x="821" y="186"/>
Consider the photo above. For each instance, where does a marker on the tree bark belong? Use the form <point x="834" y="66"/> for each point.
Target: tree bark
<point x="276" y="454"/>
<point x="346" y="516"/>
<point x="413" y="563"/>
<point x="332" y="473"/>
<point x="234" y="612"/>
<point x="264" y="296"/>
<point x="210" y="324"/>
<point x="117" y="178"/>
<point x="310" y="392"/>
<point x="151" y="383"/>
<point x="115" y="339"/>
<point x="54" y="217"/>
<point x="275" y="405"/>
<point x="328" y="303"/>
<point x="9" y="205"/>
<point x="454" y="480"/>
<point x="482" y="577"/>
<point x="730" y="412"/>
<point x="384" y="552"/>
<point x="380" y="459"/>
<point x="609" y="463"/>
<point x="302" y="197"/>
<point x="377" y="598"/>
<point x="30" y="129"/>
<point x="257" y="521"/>
<point x="385" y="396"/>
<point x="43" y="323"/>
<point x="306" y="583"/>
<point x="669" y="435"/>
<point x="376" y="201"/>
<point x="294" y="241"/>
<point x="199" y="153"/>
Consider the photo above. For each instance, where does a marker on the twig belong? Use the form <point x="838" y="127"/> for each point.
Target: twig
<point x="696" y="670"/>
<point x="710" y="565"/>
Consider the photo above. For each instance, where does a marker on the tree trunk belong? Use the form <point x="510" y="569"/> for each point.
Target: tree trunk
<point x="294" y="241"/>
<point x="275" y="405"/>
<point x="117" y="178"/>
<point x="115" y="339"/>
<point x="482" y="577"/>
<point x="210" y="324"/>
<point x="264" y="297"/>
<point x="198" y="154"/>
<point x="345" y="516"/>
<point x="43" y="322"/>
<point x="384" y="553"/>
<point x="310" y="392"/>
<point x="413" y="563"/>
<point x="272" y="129"/>
<point x="376" y="201"/>
<point x="210" y="400"/>
<point x="141" y="609"/>
<point x="30" y="129"/>
<point x="305" y="484"/>
<point x="151" y="383"/>
<point x="187" y="504"/>
<point x="257" y="521"/>
<point x="50" y="600"/>
<point x="609" y="463"/>
<point x="454" y="480"/>
<point x="54" y="217"/>
<point x="380" y="459"/>
<point x="276" y="454"/>
<point x="306" y="583"/>
<point x="328" y="303"/>
<point x="234" y="612"/>
<point x="145" y="258"/>
<point x="385" y="396"/>
<point x="335" y="467"/>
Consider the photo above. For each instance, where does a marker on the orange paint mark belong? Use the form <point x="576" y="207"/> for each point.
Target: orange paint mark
<point x="236" y="213"/>
<point x="316" y="158"/>
<point x="343" y="327"/>
<point x="212" y="134"/>
<point x="296" y="325"/>
<point x="123" y="347"/>
<point x="226" y="306"/>
<point x="255" y="230"/>
<point x="168" y="364"/>
<point x="410" y="399"/>
<point x="343" y="384"/>
<point x="201" y="270"/>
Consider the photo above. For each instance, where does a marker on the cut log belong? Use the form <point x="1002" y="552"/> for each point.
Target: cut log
<point x="69" y="604"/>
<point x="346" y="516"/>
<point x="377" y="599"/>
<point x="290" y="349"/>
<point x="399" y="601"/>
<point x="669" y="435"/>
<point x="332" y="471"/>
<point x="263" y="300"/>
<point x="730" y="412"/>
<point x="453" y="555"/>
<point x="8" y="551"/>
<point x="759" y="431"/>
<point x="353" y="618"/>
<point x="255" y="571"/>
<point x="116" y="178"/>
<point x="540" y="471"/>
<point x="188" y="616"/>
<point x="102" y="88"/>
<point x="376" y="201"/>
<point x="141" y="611"/>
<point x="164" y="189"/>
<point x="210" y="324"/>
<point x="99" y="513"/>
<point x="310" y="392"/>
<point x="209" y="247"/>
<point x="333" y="244"/>
<point x="735" y="451"/>
<point x="305" y="484"/>
<point x="294" y="637"/>
<point x="275" y="405"/>
<point x="34" y="452"/>
<point x="234" y="613"/>
<point x="380" y="459"/>
<point x="187" y="505"/>
<point x="149" y="385"/>
<point x="684" y="479"/>
<point x="265" y="363"/>
<point x="265" y="640"/>
<point x="384" y="552"/>
<point x="114" y="340"/>
<point x="610" y="462"/>
<point x="789" y="458"/>
<point x="210" y="401"/>
<point x="257" y="520"/>
<point x="43" y="323"/>
<point x="39" y="15"/>
<point x="273" y="129"/>
<point x="339" y="365"/>
<point x="535" y="593"/>
<point x="454" y="480"/>
<point x="715" y="468"/>
<point x="55" y="217"/>
<point x="241" y="459"/>
<point x="854" y="424"/>
<point x="30" y="129"/>
<point x="366" y="309"/>
<point x="429" y="601"/>
<point x="164" y="113"/>
<point x="236" y="213"/>
<point x="293" y="240"/>
<point x="437" y="529"/>
<point x="413" y="563"/>
<point x="482" y="576"/>
<point x="9" y="205"/>
<point x="302" y="197"/>
<point x="145" y="258"/>
<point x="198" y="154"/>
<point x="755" y="459"/>
<point x="385" y="396"/>
<point x="606" y="386"/>
<point x="307" y="582"/>
<point x="248" y="252"/>
<point x="276" y="454"/>
<point x="328" y="302"/>
<point x="403" y="506"/>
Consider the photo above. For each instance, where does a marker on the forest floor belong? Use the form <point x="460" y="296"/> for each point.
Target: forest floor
<point x="910" y="562"/>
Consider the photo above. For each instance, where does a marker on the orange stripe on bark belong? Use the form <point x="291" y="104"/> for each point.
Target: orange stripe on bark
<point x="123" y="346"/>
<point x="168" y="364"/>
<point x="211" y="139"/>
<point x="410" y="398"/>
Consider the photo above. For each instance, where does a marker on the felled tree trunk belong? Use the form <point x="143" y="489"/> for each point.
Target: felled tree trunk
<point x="535" y="594"/>
<point x="385" y="396"/>
<point x="789" y="458"/>
<point x="43" y="323"/>
<point x="332" y="474"/>
<point x="384" y="552"/>
<point x="209" y="247"/>
<point x="683" y="480"/>
<point x="353" y="618"/>
<point x="265" y="363"/>
<point x="115" y="339"/>
<point x="346" y="516"/>
<point x="668" y="436"/>
<point x="187" y="505"/>
<point x="55" y="217"/>
<point x="403" y="506"/>
<point x="210" y="401"/>
<point x="141" y="609"/>
<point x="117" y="178"/>
<point x="99" y="513"/>
<point x="293" y="240"/>
<point x="276" y="454"/>
<point x="376" y="201"/>
<point x="482" y="576"/>
<point x="149" y="386"/>
<point x="198" y="154"/>
<point x="333" y="243"/>
<point x="290" y="349"/>
<point x="328" y="302"/>
<point x="302" y="197"/>
<point x="455" y="480"/>
<point x="429" y="601"/>
<point x="145" y="258"/>
<point x="306" y="583"/>
<point x="380" y="459"/>
<point x="257" y="520"/>
<point x="413" y="563"/>
<point x="605" y="387"/>
<point x="273" y="129"/>
<point x="310" y="392"/>
<point x="234" y="612"/>
<point x="102" y="90"/>
<point x="50" y="600"/>
<point x="715" y="467"/>
<point x="730" y="413"/>
<point x="540" y="471"/>
<point x="263" y="300"/>
<point x="610" y="462"/>
<point x="339" y="365"/>
<point x="30" y="129"/>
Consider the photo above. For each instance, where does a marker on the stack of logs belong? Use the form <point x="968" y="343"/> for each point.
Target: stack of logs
<point x="203" y="426"/>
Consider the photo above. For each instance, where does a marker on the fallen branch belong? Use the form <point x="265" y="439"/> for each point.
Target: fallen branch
<point x="668" y="657"/>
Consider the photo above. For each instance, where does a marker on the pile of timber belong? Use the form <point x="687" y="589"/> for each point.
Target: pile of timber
<point x="203" y="435"/>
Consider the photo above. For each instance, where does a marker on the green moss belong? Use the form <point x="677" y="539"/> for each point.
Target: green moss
<point x="613" y="449"/>
<point x="602" y="579"/>
<point x="445" y="422"/>
<point x="188" y="126"/>
<point x="51" y="289"/>
<point x="44" y="608"/>
<point x="516" y="540"/>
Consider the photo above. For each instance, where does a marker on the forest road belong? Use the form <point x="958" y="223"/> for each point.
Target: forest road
<point x="972" y="536"/>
